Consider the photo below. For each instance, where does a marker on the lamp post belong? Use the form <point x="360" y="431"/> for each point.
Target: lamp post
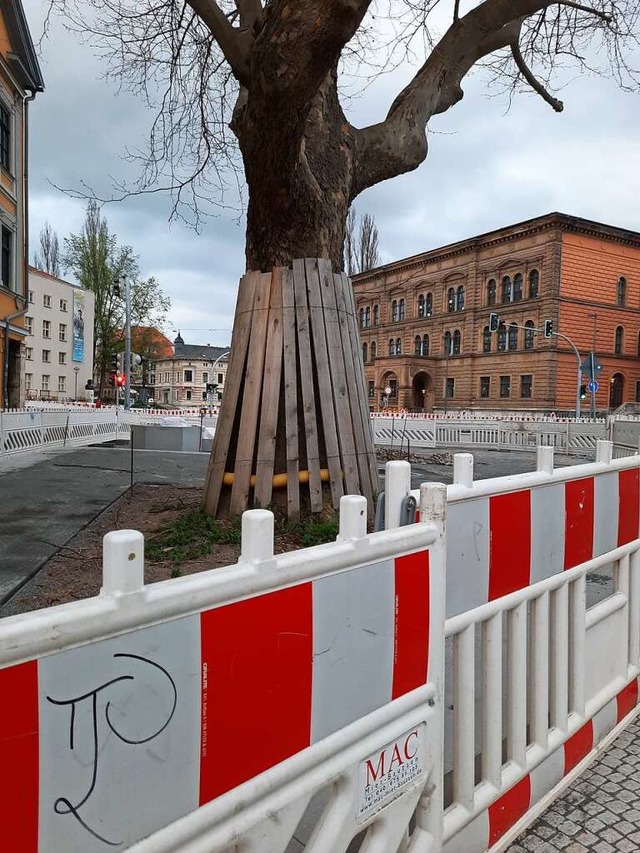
<point x="447" y="353"/>
<point x="76" y="370"/>
<point x="127" y="336"/>
<point x="217" y="362"/>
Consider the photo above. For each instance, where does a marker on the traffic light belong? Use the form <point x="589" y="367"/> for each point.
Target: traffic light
<point x="115" y="362"/>
<point x="583" y="392"/>
<point x="548" y="328"/>
<point x="120" y="380"/>
<point x="112" y="379"/>
<point x="493" y="322"/>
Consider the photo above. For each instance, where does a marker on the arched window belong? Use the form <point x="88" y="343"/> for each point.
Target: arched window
<point x="447" y="343"/>
<point x="502" y="337"/>
<point x="486" y="340"/>
<point x="491" y="291"/>
<point x="619" y="340"/>
<point x="367" y="317"/>
<point x="398" y="346"/>
<point x="425" y="345"/>
<point x="394" y="311"/>
<point x="401" y="310"/>
<point x="460" y="298"/>
<point x="376" y="315"/>
<point x="392" y="347"/>
<point x="534" y="283"/>
<point x="362" y="318"/>
<point x="456" y="342"/>
<point x="421" y="305"/>
<point x="622" y="291"/>
<point x="513" y="336"/>
<point x="451" y="299"/>
<point x="517" y="287"/>
<point x="428" y="305"/>
<point x="374" y="350"/>
<point x="506" y="289"/>
<point x="528" y="334"/>
<point x="417" y="345"/>
<point x="364" y="352"/>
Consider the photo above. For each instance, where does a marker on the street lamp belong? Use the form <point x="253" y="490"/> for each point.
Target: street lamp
<point x="216" y="363"/>
<point x="127" y="336"/>
<point x="76" y="370"/>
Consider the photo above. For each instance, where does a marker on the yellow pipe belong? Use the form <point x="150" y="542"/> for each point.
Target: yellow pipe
<point x="279" y="481"/>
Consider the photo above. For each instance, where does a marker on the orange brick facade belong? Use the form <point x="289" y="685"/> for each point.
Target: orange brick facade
<point x="555" y="267"/>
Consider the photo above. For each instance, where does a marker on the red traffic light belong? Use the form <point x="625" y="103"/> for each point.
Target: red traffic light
<point x="120" y="379"/>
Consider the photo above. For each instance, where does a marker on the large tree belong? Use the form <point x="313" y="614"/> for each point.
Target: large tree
<point x="265" y="74"/>
<point x="361" y="244"/>
<point x="48" y="258"/>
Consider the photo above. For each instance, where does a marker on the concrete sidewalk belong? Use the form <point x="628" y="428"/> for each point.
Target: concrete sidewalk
<point x="600" y="812"/>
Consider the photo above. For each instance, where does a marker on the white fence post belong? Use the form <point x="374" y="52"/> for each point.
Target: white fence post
<point x="544" y="461"/>
<point x="353" y="518"/>
<point x="257" y="536"/>
<point x="463" y="469"/>
<point x="604" y="451"/>
<point x="122" y="562"/>
<point x="397" y="487"/>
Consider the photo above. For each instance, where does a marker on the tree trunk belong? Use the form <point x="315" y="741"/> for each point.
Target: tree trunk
<point x="294" y="412"/>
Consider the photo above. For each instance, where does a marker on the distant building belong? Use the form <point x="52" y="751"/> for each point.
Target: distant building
<point x="181" y="379"/>
<point x="424" y="320"/>
<point x="20" y="80"/>
<point x="58" y="354"/>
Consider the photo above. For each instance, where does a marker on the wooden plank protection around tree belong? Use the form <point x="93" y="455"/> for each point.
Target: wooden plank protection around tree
<point x="242" y="469"/>
<point x="270" y="395"/>
<point x="325" y="391"/>
<point x="291" y="396"/>
<point x="306" y="384"/>
<point x="338" y="378"/>
<point x="235" y="372"/>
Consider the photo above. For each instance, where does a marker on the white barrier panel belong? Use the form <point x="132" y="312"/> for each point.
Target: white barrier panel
<point x="220" y="703"/>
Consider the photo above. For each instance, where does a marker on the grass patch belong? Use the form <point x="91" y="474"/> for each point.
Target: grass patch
<point x="310" y="532"/>
<point x="191" y="536"/>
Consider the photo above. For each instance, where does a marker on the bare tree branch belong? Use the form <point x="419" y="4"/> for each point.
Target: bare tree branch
<point x="233" y="43"/>
<point x="535" y="84"/>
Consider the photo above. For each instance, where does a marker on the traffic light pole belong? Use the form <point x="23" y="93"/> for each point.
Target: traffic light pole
<point x="127" y="342"/>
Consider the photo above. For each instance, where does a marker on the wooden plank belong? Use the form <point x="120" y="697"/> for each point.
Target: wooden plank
<point x="354" y="336"/>
<point x="338" y="377"/>
<point x="270" y="396"/>
<point x="235" y="371"/>
<point x="291" y="396"/>
<point x="319" y="333"/>
<point x="359" y="428"/>
<point x="306" y="383"/>
<point x="247" y="436"/>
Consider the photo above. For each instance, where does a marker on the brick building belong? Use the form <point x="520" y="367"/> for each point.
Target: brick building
<point x="582" y="275"/>
<point x="180" y="379"/>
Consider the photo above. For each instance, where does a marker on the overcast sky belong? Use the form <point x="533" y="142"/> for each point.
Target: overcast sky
<point x="487" y="167"/>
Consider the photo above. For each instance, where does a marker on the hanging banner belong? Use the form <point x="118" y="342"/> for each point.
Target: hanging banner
<point x="78" y="325"/>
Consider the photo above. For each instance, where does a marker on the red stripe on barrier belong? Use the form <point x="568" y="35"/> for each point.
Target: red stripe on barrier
<point x="411" y="642"/>
<point x="578" y="525"/>
<point x="627" y="700"/>
<point x="628" y="506"/>
<point x="256" y="686"/>
<point x="509" y="543"/>
<point x="578" y="746"/>
<point x="508" y="809"/>
<point x="19" y="758"/>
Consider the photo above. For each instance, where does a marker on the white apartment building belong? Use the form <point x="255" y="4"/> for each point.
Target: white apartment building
<point x="181" y="380"/>
<point x="59" y="344"/>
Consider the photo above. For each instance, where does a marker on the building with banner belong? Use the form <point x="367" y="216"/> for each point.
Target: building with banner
<point x="425" y="321"/>
<point x="59" y="344"/>
<point x="20" y="80"/>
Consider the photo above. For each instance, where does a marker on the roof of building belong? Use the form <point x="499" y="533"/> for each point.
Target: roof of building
<point x="502" y="235"/>
<point x="147" y="338"/>
<point x="35" y="271"/>
<point x="196" y="352"/>
<point x="23" y="59"/>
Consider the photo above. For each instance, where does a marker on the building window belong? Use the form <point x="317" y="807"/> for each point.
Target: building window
<point x="28" y="381"/>
<point x="418" y="345"/>
<point x="457" y="337"/>
<point x="422" y="345"/>
<point x="421" y="305"/>
<point x="46" y="300"/>
<point x="486" y="340"/>
<point x="62" y="358"/>
<point x="28" y="353"/>
<point x="376" y="315"/>
<point x="393" y="384"/>
<point x="425" y="345"/>
<point x="622" y="291"/>
<point x="362" y="318"/>
<point x="152" y="379"/>
<point x="517" y="287"/>
<point x="507" y="291"/>
<point x="62" y="383"/>
<point x="428" y="305"/>
<point x="188" y="376"/>
<point x="528" y="334"/>
<point x="63" y="331"/>
<point x="398" y="346"/>
<point x="5" y="138"/>
<point x="450" y="388"/>
<point x="491" y="291"/>
<point x="534" y="284"/>
<point x="189" y="394"/>
<point x="485" y="384"/>
<point x="619" y="340"/>
<point x="45" y="381"/>
<point x="401" y="309"/>
<point x="32" y="297"/>
<point x="371" y="389"/>
<point x="460" y="298"/>
<point x="526" y="384"/>
<point x="394" y="311"/>
<point x="392" y="347"/>
<point x="364" y="352"/>
<point x="513" y="336"/>
<point x="451" y="300"/>
<point x="46" y="355"/>
<point x="28" y="324"/>
<point x="367" y="317"/>
<point x="220" y="378"/>
<point x="46" y="329"/>
<point x="63" y="305"/>
<point x="502" y="337"/>
<point x="374" y="350"/>
<point x="447" y="343"/>
<point x="205" y="377"/>
<point x="7" y="247"/>
<point x="505" y="386"/>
